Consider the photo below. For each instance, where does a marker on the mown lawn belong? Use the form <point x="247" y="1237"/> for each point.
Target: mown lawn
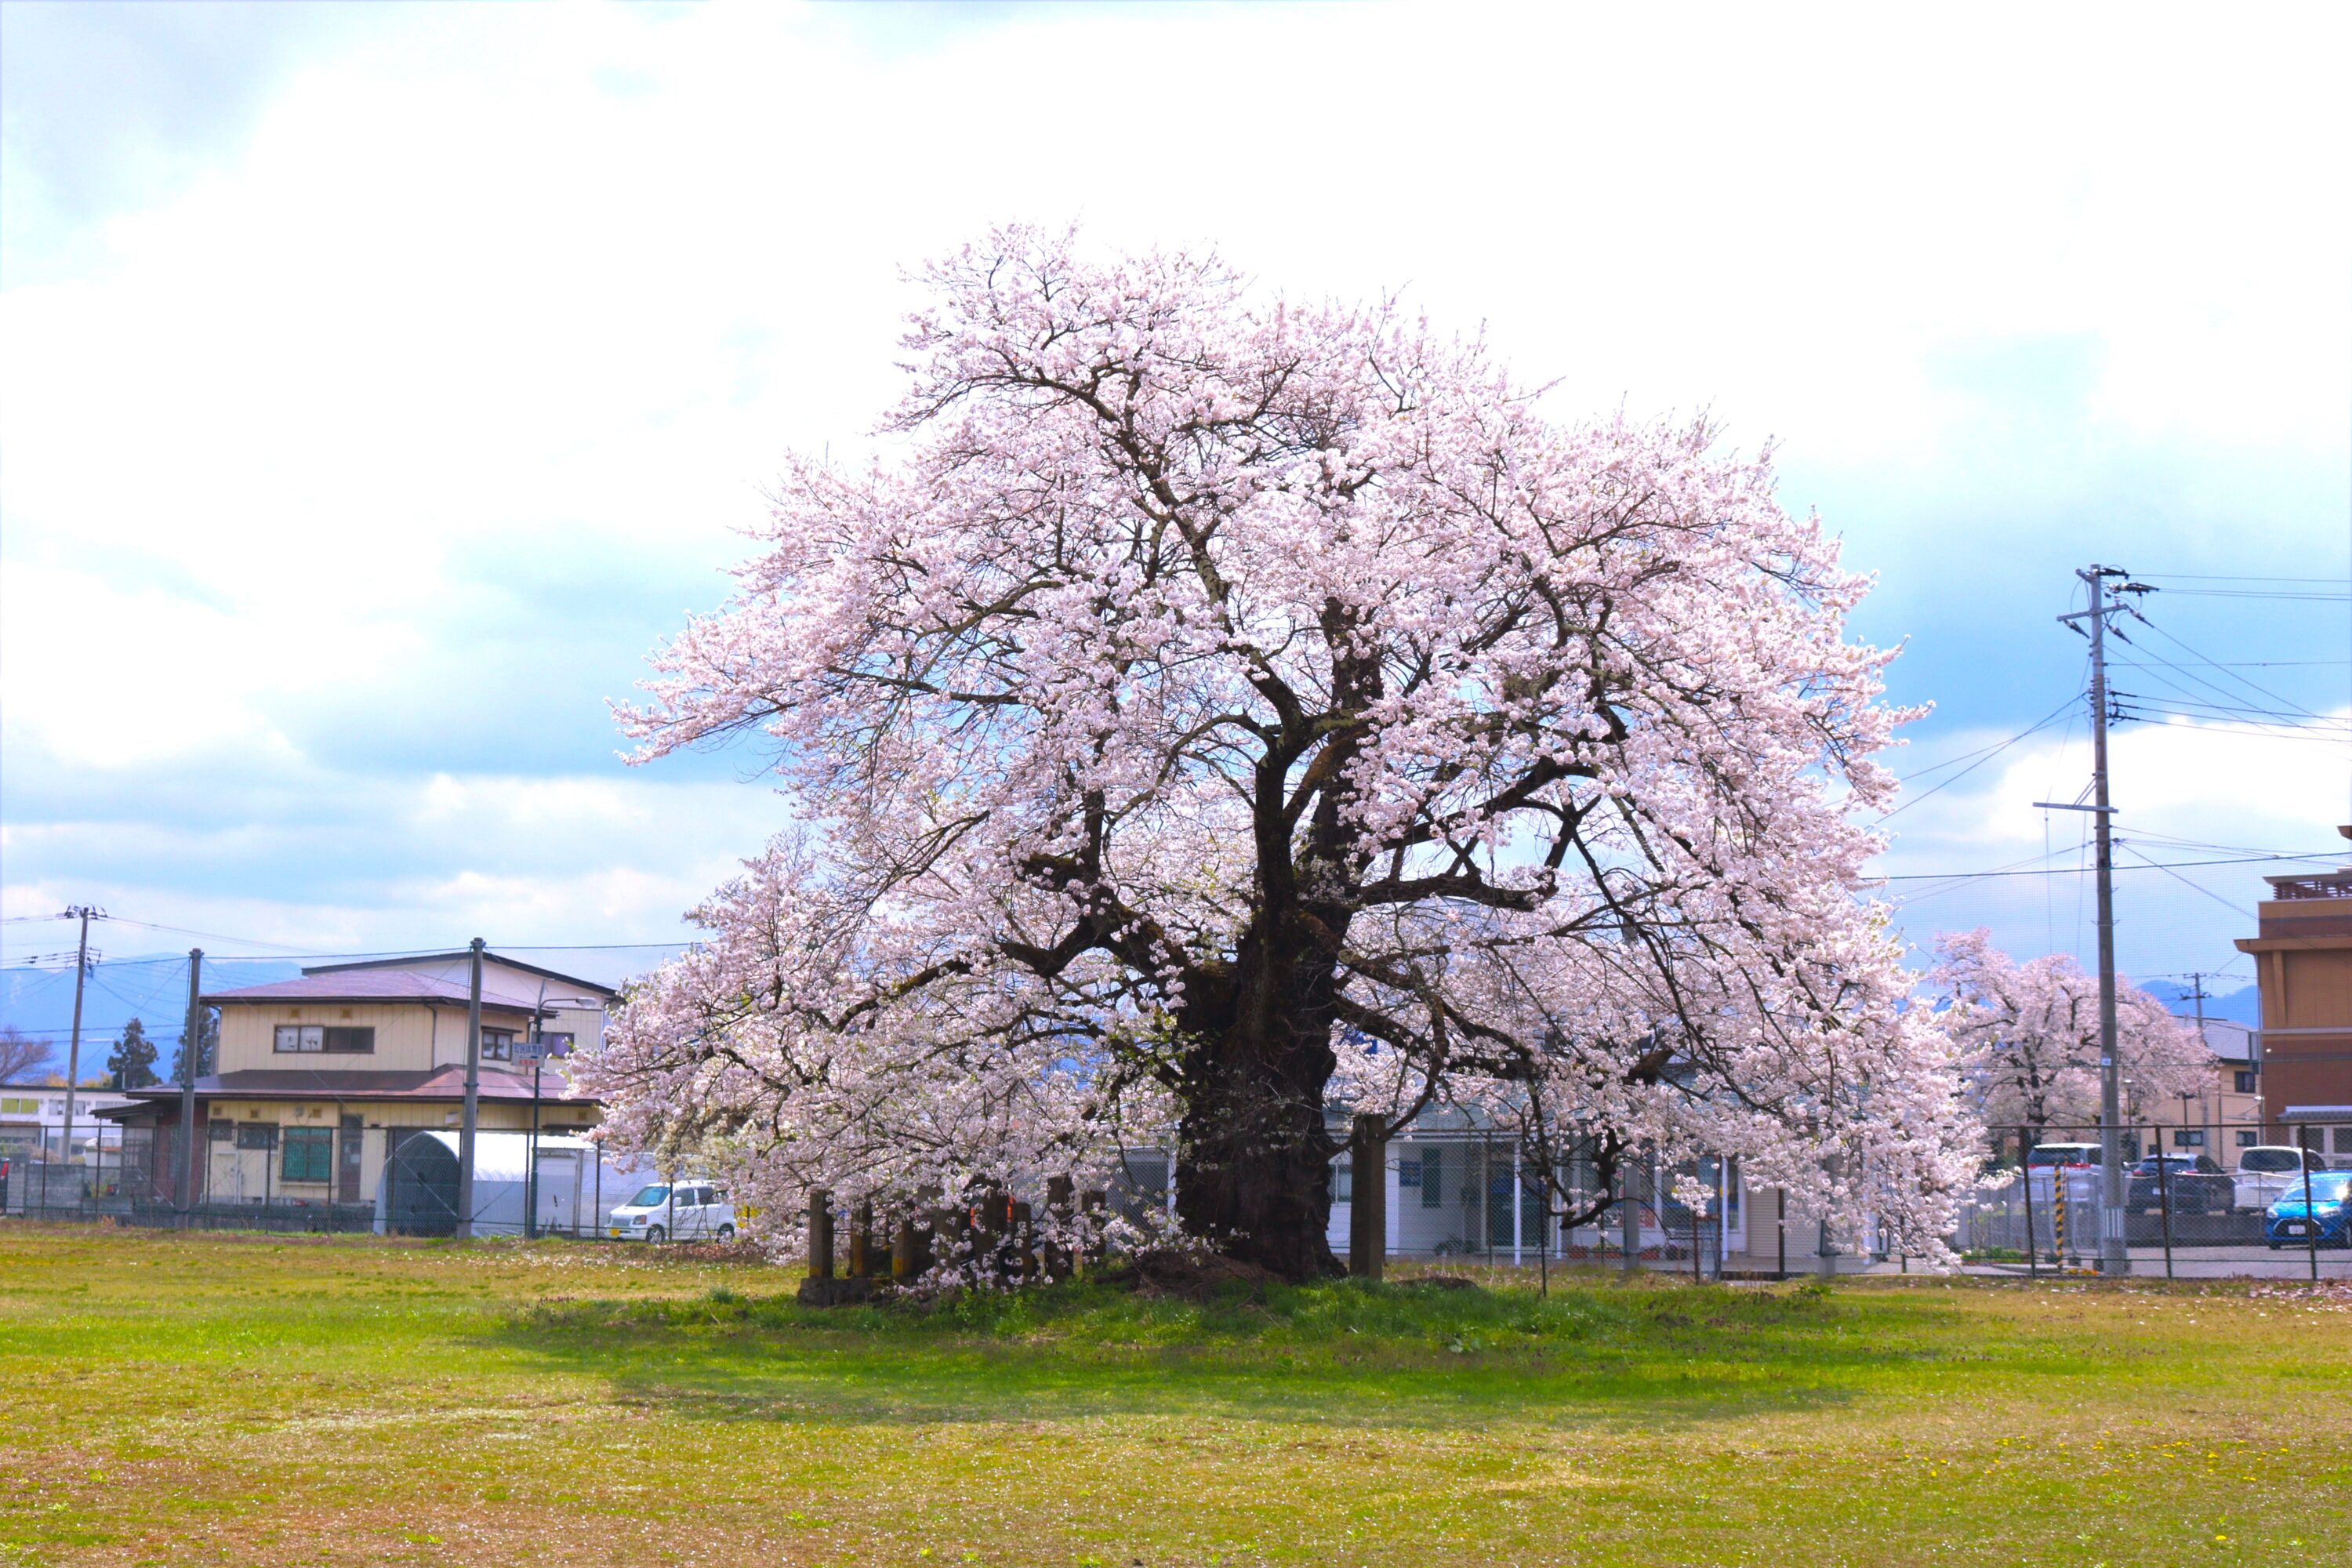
<point x="251" y="1400"/>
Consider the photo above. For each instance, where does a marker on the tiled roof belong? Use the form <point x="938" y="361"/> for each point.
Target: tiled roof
<point x="459" y="955"/>
<point x="371" y="986"/>
<point x="446" y="1083"/>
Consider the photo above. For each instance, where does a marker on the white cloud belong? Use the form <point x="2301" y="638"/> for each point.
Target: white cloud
<point x="489" y="284"/>
<point x="387" y="864"/>
<point x="2186" y="792"/>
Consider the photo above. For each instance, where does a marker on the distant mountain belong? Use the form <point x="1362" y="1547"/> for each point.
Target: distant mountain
<point x="152" y="989"/>
<point x="2240" y="1007"/>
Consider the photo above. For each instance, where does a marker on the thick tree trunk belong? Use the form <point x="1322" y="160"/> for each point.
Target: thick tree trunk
<point x="1253" y="1164"/>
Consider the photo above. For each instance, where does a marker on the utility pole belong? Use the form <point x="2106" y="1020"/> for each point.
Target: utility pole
<point x="192" y="1040"/>
<point x="473" y="1097"/>
<point x="2113" y="1257"/>
<point x="2196" y="999"/>
<point x="73" y="1052"/>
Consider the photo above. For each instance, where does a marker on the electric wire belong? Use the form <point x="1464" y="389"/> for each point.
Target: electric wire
<point x="1988" y="755"/>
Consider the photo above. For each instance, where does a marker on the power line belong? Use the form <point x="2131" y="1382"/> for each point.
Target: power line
<point x="2248" y="664"/>
<point x="2078" y="870"/>
<point x="2233" y="908"/>
<point x="2253" y="686"/>
<point x="1986" y="756"/>
<point x="2200" y="577"/>
<point x="213" y="935"/>
<point x="2313" y="598"/>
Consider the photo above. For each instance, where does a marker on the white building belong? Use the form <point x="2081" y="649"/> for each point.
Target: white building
<point x="32" y="1120"/>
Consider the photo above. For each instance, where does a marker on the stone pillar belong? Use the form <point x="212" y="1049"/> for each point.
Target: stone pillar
<point x="1368" y="1202"/>
<point x="1054" y="1256"/>
<point x="1091" y="1204"/>
<point x="1025" y="1241"/>
<point x="903" y="1266"/>
<point x="861" y="1242"/>
<point x="820" y="1234"/>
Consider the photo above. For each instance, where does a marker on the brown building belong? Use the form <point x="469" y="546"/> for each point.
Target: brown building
<point x="2303" y="964"/>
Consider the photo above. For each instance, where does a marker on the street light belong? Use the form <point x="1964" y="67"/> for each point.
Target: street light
<point x="538" y="1064"/>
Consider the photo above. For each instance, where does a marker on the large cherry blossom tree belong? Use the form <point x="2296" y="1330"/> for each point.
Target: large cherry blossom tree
<point x="2030" y="1033"/>
<point x="1212" y="709"/>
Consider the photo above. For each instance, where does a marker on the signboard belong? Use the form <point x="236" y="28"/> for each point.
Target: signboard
<point x="546" y="1045"/>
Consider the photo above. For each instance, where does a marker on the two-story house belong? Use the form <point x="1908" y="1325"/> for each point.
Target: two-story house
<point x="321" y="1078"/>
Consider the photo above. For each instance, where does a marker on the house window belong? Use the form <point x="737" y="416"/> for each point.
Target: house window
<point x="2192" y="1139"/>
<point x="309" y="1152"/>
<point x="2344" y="1140"/>
<point x="256" y="1135"/>
<point x="2245" y="1079"/>
<point x="1343" y="1182"/>
<point x="223" y="1130"/>
<point x="1432" y="1178"/>
<point x="497" y="1044"/>
<point x="2248" y="1138"/>
<point x="20" y="1108"/>
<point x="304" y="1039"/>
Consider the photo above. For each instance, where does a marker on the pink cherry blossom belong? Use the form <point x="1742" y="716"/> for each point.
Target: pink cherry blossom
<point x="1216" y="707"/>
<point x="2031" y="1032"/>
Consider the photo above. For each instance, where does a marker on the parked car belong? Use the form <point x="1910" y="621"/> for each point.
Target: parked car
<point x="2289" y="1221"/>
<point x="2195" y="1182"/>
<point x="2267" y="1170"/>
<point x="684" y="1211"/>
<point x="2044" y="1166"/>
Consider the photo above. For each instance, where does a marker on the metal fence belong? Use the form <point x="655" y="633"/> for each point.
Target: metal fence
<point x="262" y="1176"/>
<point x="1467" y="1196"/>
<point x="2196" y="1201"/>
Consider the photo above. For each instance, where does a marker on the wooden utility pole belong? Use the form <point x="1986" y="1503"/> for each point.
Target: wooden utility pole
<point x="191" y="1044"/>
<point x="73" y="1051"/>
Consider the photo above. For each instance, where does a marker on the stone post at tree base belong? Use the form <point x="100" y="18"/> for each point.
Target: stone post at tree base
<point x="821" y="1289"/>
<point x="1368" y="1199"/>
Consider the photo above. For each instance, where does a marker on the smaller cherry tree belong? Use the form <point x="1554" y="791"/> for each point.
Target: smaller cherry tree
<point x="2031" y="1035"/>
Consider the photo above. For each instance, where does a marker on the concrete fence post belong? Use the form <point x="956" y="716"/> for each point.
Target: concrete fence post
<point x="1629" y="1215"/>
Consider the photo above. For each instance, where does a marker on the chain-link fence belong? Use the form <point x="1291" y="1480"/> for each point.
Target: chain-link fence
<point x="1471" y="1196"/>
<point x="2186" y="1201"/>
<point x="341" y="1176"/>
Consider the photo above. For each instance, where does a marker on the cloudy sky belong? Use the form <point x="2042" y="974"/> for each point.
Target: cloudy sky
<point x="379" y="384"/>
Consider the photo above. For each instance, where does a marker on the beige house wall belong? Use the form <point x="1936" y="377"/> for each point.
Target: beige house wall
<point x="410" y="1037"/>
<point x="247" y="1175"/>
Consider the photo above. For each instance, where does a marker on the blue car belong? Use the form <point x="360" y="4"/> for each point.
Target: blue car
<point x="2290" y="1221"/>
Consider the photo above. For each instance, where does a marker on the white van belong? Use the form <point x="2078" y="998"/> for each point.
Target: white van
<point x="2267" y="1171"/>
<point x="681" y="1211"/>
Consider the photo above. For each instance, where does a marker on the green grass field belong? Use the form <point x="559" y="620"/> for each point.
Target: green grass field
<point x="257" y="1400"/>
